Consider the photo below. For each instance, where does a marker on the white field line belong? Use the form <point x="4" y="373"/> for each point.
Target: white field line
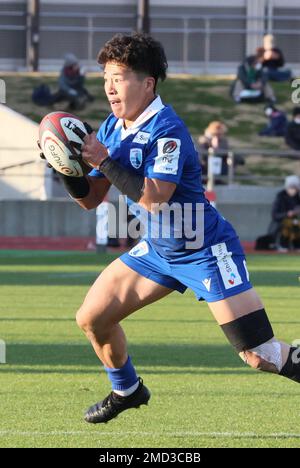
<point x="239" y="435"/>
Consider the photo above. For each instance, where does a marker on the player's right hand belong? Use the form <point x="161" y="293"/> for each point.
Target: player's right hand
<point x="93" y="152"/>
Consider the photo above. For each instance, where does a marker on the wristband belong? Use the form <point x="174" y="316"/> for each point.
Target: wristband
<point x="77" y="187"/>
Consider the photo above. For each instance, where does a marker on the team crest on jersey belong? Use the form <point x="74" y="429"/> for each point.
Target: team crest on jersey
<point x="136" y="157"/>
<point x="139" y="250"/>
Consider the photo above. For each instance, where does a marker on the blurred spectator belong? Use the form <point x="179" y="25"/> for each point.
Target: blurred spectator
<point x="277" y="122"/>
<point x="214" y="138"/>
<point x="292" y="135"/>
<point x="285" y="225"/>
<point x="251" y="84"/>
<point x="272" y="60"/>
<point x="71" y="84"/>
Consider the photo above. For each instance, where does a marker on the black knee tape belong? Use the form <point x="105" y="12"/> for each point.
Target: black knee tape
<point x="248" y="331"/>
<point x="291" y="369"/>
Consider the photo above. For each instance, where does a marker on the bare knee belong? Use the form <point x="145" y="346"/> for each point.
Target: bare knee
<point x="84" y="320"/>
<point x="93" y="323"/>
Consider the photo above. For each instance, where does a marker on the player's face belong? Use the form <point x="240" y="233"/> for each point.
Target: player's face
<point x="128" y="92"/>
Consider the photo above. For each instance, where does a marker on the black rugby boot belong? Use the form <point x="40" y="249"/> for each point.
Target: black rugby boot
<point x="114" y="404"/>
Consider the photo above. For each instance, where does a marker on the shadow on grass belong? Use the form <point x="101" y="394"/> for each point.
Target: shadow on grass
<point x="52" y="258"/>
<point x="51" y="278"/>
<point x="83" y="278"/>
<point x="179" y="358"/>
<point x="276" y="278"/>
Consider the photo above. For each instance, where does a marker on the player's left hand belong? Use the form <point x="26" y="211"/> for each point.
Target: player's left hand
<point x="93" y="152"/>
<point x="42" y="156"/>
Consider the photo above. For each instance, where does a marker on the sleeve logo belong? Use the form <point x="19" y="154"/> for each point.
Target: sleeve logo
<point x="168" y="151"/>
<point x="169" y="147"/>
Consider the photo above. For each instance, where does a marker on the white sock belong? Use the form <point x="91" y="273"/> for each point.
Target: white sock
<point x="128" y="391"/>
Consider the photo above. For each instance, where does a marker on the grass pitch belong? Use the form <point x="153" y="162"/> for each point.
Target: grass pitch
<point x="202" y="393"/>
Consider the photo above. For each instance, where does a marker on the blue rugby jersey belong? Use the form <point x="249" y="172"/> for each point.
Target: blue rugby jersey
<point x="159" y="146"/>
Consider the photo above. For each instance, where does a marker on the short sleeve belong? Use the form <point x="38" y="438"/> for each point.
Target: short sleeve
<point x="166" y="154"/>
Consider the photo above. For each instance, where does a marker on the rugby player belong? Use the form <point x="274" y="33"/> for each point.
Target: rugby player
<point x="145" y="150"/>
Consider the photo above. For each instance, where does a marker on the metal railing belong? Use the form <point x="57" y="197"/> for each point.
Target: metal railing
<point x="185" y="29"/>
<point x="231" y="155"/>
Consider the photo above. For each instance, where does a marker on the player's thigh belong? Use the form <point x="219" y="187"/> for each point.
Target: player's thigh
<point x="117" y="292"/>
<point x="236" y="306"/>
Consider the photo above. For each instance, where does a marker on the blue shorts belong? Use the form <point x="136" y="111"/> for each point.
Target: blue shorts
<point x="214" y="273"/>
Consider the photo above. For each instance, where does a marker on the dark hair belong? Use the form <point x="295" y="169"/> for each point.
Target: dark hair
<point x="296" y="111"/>
<point x="138" y="51"/>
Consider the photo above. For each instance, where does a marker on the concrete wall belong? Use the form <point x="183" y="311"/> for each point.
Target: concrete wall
<point x="45" y="218"/>
<point x="250" y="221"/>
<point x="64" y="218"/>
<point x="248" y="208"/>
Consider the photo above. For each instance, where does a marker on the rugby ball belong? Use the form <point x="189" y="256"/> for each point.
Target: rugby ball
<point x="61" y="145"/>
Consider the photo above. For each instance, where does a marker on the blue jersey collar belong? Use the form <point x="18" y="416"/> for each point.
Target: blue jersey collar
<point x="149" y="112"/>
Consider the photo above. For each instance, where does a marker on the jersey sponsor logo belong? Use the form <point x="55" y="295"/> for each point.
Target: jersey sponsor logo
<point x="228" y="269"/>
<point x="139" y="250"/>
<point x="207" y="283"/>
<point x="232" y="279"/>
<point x="169" y="147"/>
<point x="142" y="138"/>
<point x="168" y="151"/>
<point x="136" y="157"/>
